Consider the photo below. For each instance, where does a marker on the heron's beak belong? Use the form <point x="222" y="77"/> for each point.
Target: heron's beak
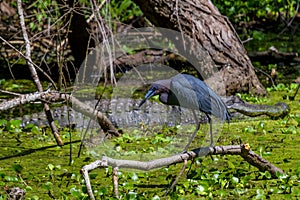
<point x="149" y="94"/>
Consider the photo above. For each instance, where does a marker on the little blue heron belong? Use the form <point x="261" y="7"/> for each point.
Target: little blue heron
<point x="189" y="92"/>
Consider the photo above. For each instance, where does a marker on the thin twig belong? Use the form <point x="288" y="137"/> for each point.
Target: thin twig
<point x="93" y="14"/>
<point x="105" y="40"/>
<point x="11" y="93"/>
<point x="30" y="61"/>
<point x="266" y="74"/>
<point x="34" y="74"/>
<point x="89" y="123"/>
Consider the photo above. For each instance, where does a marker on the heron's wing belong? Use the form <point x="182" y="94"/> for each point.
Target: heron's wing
<point x="218" y="107"/>
<point x="191" y="92"/>
<point x="195" y="94"/>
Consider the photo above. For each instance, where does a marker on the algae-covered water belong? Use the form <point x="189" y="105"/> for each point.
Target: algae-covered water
<point x="31" y="160"/>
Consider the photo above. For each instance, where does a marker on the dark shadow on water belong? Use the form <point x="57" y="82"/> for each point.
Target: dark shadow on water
<point x="30" y="151"/>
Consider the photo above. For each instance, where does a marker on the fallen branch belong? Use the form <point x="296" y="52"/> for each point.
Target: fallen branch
<point x="242" y="150"/>
<point x="273" y="56"/>
<point x="81" y="107"/>
<point x="21" y="100"/>
<point x="147" y="56"/>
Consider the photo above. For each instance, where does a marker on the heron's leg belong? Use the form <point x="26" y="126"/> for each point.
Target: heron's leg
<point x="177" y="178"/>
<point x="210" y="130"/>
<point x="194" y="134"/>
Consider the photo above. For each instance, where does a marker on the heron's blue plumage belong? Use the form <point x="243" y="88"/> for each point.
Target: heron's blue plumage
<point x="190" y="92"/>
<point x="197" y="95"/>
<point x="187" y="91"/>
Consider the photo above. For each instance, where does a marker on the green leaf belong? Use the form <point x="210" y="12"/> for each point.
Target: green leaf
<point x="15" y="123"/>
<point x="261" y="125"/>
<point x="47" y="185"/>
<point x="235" y="180"/>
<point x="11" y="179"/>
<point x="268" y="175"/>
<point x="155" y="198"/>
<point x="50" y="166"/>
<point x="131" y="195"/>
<point x="281" y="176"/>
<point x="34" y="197"/>
<point x="58" y="166"/>
<point x="35" y="130"/>
<point x="134" y="177"/>
<point x="260" y="194"/>
<point x="222" y="193"/>
<point x="201" y="190"/>
<point x="103" y="191"/>
<point x="76" y="192"/>
<point x="230" y="164"/>
<point x="3" y="122"/>
<point x="258" y="35"/>
<point x="28" y="188"/>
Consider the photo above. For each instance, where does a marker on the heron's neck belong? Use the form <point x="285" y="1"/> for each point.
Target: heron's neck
<point x="163" y="97"/>
<point x="168" y="98"/>
<point x="164" y="83"/>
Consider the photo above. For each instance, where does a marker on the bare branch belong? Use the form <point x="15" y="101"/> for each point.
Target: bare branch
<point x="115" y="180"/>
<point x="242" y="150"/>
<point x="34" y="74"/>
<point x="20" y="100"/>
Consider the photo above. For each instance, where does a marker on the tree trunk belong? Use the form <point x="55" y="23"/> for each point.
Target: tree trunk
<point x="201" y="20"/>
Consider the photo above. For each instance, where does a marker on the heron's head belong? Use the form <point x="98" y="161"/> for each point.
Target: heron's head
<point x="156" y="88"/>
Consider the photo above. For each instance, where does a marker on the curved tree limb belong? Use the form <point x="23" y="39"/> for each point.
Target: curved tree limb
<point x="83" y="108"/>
<point x="242" y="150"/>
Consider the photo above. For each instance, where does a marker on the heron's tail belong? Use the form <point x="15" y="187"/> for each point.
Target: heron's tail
<point x="219" y="108"/>
<point x="227" y="115"/>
